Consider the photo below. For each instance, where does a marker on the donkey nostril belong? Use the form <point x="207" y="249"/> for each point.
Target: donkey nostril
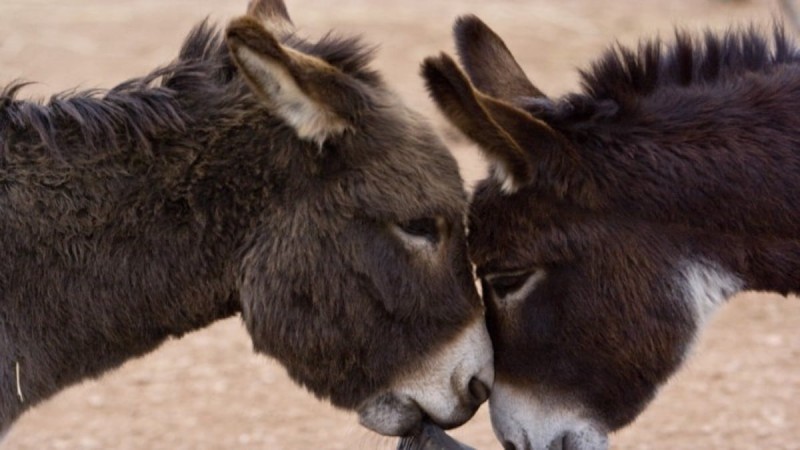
<point x="559" y="444"/>
<point x="508" y="445"/>
<point x="478" y="390"/>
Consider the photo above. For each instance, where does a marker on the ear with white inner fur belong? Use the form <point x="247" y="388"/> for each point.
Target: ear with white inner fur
<point x="509" y="136"/>
<point x="272" y="14"/>
<point x="313" y="97"/>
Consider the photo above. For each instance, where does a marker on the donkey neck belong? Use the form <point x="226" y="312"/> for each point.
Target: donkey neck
<point x="736" y="209"/>
<point x="106" y="260"/>
<point x="745" y="261"/>
<point x="718" y="162"/>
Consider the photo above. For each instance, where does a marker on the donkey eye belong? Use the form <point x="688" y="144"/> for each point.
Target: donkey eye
<point x="426" y="228"/>
<point x="504" y="284"/>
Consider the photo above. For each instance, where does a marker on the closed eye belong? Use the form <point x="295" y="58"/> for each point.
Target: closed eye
<point x="504" y="284"/>
<point x="426" y="228"/>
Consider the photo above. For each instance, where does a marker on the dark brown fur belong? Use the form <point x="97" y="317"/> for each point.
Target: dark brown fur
<point x="685" y="152"/>
<point x="141" y="213"/>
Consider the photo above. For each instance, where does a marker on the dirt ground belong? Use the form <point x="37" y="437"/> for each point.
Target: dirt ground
<point x="740" y="390"/>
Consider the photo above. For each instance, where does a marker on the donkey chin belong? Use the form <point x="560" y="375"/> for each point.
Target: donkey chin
<point x="434" y="391"/>
<point x="523" y="420"/>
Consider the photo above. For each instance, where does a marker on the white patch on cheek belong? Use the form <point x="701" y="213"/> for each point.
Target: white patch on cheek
<point x="507" y="183"/>
<point x="440" y="385"/>
<point x="706" y="287"/>
<point x="535" y="421"/>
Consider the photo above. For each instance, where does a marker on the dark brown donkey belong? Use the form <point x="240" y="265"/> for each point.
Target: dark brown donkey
<point x="618" y="219"/>
<point x="259" y="174"/>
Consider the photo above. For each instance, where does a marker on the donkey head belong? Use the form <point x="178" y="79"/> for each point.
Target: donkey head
<point x="581" y="301"/>
<point x="356" y="277"/>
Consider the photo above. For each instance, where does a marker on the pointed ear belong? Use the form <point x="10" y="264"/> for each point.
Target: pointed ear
<point x="313" y="97"/>
<point x="272" y="14"/>
<point x="488" y="62"/>
<point x="509" y="136"/>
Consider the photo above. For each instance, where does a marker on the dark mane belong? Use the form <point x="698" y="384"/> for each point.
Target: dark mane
<point x="618" y="81"/>
<point x="200" y="83"/>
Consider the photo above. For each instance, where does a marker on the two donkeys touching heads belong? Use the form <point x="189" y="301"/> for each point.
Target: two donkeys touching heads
<point x="270" y="176"/>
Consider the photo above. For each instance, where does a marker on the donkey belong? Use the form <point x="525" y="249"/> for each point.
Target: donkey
<point x="261" y="174"/>
<point x="615" y="221"/>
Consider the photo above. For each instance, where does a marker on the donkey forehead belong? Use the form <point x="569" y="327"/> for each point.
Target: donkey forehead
<point x="508" y="232"/>
<point x="491" y="207"/>
<point x="397" y="167"/>
<point x="408" y="190"/>
<point x="392" y="167"/>
<point x="409" y="171"/>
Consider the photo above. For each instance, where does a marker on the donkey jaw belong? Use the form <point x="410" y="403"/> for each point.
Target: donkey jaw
<point x="441" y="389"/>
<point x="523" y="420"/>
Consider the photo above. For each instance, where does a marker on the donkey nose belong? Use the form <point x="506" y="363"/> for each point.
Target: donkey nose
<point x="478" y="391"/>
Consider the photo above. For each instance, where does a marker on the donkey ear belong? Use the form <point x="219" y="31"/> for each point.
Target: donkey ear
<point x="508" y="135"/>
<point x="312" y="96"/>
<point x="488" y="62"/>
<point x="272" y="14"/>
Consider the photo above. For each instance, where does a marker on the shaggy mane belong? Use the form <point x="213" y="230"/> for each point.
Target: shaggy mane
<point x="202" y="80"/>
<point x="617" y="82"/>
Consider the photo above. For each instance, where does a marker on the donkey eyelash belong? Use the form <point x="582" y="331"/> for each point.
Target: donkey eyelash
<point x="426" y="227"/>
<point x="515" y="285"/>
<point x="503" y="284"/>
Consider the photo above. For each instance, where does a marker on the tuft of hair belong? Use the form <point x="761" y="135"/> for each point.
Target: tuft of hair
<point x="347" y="53"/>
<point x="690" y="59"/>
<point x="615" y="83"/>
<point x="132" y="111"/>
<point x="140" y="108"/>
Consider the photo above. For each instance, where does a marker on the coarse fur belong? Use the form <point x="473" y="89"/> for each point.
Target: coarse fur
<point x="669" y="184"/>
<point x="141" y="213"/>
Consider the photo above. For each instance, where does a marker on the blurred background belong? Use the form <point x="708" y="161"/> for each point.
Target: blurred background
<point x="740" y="390"/>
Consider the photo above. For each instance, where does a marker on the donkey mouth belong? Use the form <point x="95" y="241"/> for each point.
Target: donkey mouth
<point x="431" y="437"/>
<point x="401" y="414"/>
<point x="390" y="415"/>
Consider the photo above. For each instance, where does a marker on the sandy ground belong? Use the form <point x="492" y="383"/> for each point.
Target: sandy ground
<point x="741" y="389"/>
